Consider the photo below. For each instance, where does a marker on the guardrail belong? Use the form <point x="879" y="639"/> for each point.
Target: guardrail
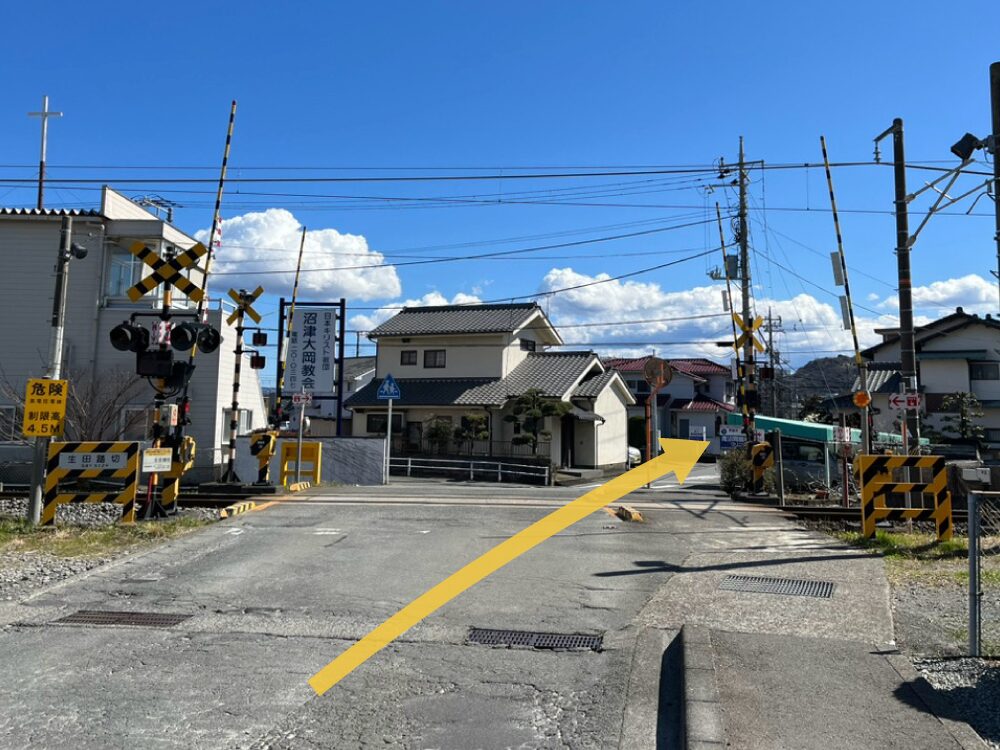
<point x="491" y="469"/>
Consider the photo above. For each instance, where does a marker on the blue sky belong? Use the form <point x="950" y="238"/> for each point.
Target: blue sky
<point x="475" y="89"/>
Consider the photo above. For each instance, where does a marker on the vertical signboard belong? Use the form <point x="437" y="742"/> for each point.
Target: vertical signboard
<point x="311" y="365"/>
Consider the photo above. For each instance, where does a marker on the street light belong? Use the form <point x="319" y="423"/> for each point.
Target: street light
<point x="966" y="145"/>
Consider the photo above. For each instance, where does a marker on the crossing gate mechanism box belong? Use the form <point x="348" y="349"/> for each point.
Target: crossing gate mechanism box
<point x="91" y="472"/>
<point x="312" y="454"/>
<point x="878" y="485"/>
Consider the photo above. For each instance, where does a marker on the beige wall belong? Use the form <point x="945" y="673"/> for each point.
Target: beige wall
<point x="612" y="435"/>
<point x="465" y="357"/>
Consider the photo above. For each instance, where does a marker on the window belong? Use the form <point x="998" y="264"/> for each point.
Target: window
<point x="434" y="358"/>
<point x="375" y="423"/>
<point x="243" y="423"/>
<point x="408" y="357"/>
<point x="123" y="270"/>
<point x="984" y="371"/>
<point x="730" y="390"/>
<point x="527" y="345"/>
<point x="993" y="436"/>
<point x="136" y="423"/>
<point x="8" y="424"/>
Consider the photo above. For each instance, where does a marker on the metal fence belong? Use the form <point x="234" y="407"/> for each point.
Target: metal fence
<point x="984" y="552"/>
<point x="472" y="469"/>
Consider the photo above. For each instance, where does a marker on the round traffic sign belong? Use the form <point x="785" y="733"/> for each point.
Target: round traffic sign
<point x="862" y="399"/>
<point x="657" y="372"/>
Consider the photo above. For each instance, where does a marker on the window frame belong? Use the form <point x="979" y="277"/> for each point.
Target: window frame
<point x="382" y="417"/>
<point x="430" y="356"/>
<point x="403" y="357"/>
<point x="15" y="434"/>
<point x="987" y="364"/>
<point x="528" y="345"/>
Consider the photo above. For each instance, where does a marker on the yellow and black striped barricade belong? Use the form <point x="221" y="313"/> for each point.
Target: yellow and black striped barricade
<point x="183" y="460"/>
<point x="312" y="454"/>
<point x="762" y="458"/>
<point x="80" y="473"/>
<point x="262" y="447"/>
<point x="875" y="475"/>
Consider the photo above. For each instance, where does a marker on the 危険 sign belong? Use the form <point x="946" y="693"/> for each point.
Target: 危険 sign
<point x="311" y="362"/>
<point x="44" y="407"/>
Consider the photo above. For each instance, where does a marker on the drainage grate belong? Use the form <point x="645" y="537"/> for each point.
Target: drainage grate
<point x="148" y="619"/>
<point x="785" y="586"/>
<point x="491" y="637"/>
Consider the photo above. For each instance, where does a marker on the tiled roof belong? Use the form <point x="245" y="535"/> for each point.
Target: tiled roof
<point x="698" y="366"/>
<point x="592" y="388"/>
<point x="49" y="212"/>
<point x="626" y="364"/>
<point x="880" y="381"/>
<point x="433" y="392"/>
<point x="357" y="366"/>
<point x="552" y="373"/>
<point x="700" y="403"/>
<point x="448" y="319"/>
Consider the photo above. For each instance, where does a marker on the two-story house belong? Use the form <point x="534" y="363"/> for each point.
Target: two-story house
<point x="96" y="301"/>
<point x="959" y="353"/>
<point x="455" y="361"/>
<point x="695" y="403"/>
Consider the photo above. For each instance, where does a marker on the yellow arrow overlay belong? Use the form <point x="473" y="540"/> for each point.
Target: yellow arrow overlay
<point x="680" y="457"/>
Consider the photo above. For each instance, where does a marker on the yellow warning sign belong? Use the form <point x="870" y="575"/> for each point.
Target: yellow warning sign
<point x="44" y="407"/>
<point x="167" y="271"/>
<point x="243" y="302"/>
<point x="748" y="331"/>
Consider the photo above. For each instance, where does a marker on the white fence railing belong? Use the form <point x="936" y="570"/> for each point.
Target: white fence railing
<point x="469" y="467"/>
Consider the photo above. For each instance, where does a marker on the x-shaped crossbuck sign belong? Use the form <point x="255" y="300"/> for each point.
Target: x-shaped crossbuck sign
<point x="167" y="271"/>
<point x="243" y="302"/>
<point x="748" y="330"/>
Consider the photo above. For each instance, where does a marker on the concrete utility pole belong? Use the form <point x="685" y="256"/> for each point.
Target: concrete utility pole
<point x="995" y="150"/>
<point x="54" y="370"/>
<point x="748" y="355"/>
<point x="45" y="114"/>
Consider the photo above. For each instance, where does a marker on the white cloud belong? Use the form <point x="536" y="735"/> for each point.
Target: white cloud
<point x="972" y="293"/>
<point x="255" y="245"/>
<point x="368" y="322"/>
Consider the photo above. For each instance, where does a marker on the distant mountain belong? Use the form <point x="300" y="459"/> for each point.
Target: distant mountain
<point x="821" y="377"/>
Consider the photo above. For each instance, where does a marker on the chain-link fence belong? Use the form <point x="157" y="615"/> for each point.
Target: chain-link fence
<point x="984" y="573"/>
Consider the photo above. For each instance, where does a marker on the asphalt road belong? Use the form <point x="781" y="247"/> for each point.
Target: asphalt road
<point x="275" y="595"/>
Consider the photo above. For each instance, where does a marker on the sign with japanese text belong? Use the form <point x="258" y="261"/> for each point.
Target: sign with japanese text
<point x="44" y="407"/>
<point x="85" y="461"/>
<point x="155" y="460"/>
<point x="311" y="361"/>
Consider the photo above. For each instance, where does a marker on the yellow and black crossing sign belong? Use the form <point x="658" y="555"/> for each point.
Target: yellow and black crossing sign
<point x="244" y="301"/>
<point x="748" y="329"/>
<point x="167" y="271"/>
<point x="762" y="458"/>
<point x="877" y="487"/>
<point x="262" y="447"/>
<point x="82" y="473"/>
<point x="183" y="460"/>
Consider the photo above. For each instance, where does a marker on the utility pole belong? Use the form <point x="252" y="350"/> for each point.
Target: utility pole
<point x="55" y="359"/>
<point x="773" y="359"/>
<point x="45" y="114"/>
<point x="994" y="148"/>
<point x="748" y="355"/>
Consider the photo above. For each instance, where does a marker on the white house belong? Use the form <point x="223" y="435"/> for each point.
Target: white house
<point x="959" y="353"/>
<point x="455" y="361"/>
<point x="96" y="302"/>
<point x="697" y="400"/>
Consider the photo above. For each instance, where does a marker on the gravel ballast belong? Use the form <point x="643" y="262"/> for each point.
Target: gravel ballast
<point x="972" y="688"/>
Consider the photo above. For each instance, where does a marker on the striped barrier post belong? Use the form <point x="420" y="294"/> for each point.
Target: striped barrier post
<point x="71" y="462"/>
<point x="263" y="448"/>
<point x="762" y="458"/>
<point x="183" y="461"/>
<point x="875" y="474"/>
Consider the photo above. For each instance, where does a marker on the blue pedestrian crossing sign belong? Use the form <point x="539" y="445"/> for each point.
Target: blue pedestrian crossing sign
<point x="389" y="390"/>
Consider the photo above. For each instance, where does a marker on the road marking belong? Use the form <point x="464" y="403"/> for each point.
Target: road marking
<point x="234" y="532"/>
<point x="428" y="531"/>
<point x="679" y="457"/>
<point x="327" y="532"/>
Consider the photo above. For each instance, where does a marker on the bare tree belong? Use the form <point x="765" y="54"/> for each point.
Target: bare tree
<point x="96" y="406"/>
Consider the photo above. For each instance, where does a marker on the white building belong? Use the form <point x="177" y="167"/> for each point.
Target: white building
<point x="96" y="302"/>
<point x="456" y="361"/>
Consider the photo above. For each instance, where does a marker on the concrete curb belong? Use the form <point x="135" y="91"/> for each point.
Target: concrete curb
<point x="963" y="734"/>
<point x="237" y="508"/>
<point x="704" y="728"/>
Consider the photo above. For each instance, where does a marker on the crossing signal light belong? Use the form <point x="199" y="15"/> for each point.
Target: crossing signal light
<point x="259" y="338"/>
<point x="257" y="361"/>
<point x="186" y="335"/>
<point x="129" y="337"/>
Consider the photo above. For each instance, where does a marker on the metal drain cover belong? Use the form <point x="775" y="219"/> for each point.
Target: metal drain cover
<point x="784" y="586"/>
<point x="491" y="637"/>
<point x="100" y="617"/>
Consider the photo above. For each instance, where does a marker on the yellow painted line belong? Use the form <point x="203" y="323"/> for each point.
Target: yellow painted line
<point x="679" y="457"/>
<point x="266" y="505"/>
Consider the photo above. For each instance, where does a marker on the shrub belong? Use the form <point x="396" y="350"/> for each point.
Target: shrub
<point x="735" y="471"/>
